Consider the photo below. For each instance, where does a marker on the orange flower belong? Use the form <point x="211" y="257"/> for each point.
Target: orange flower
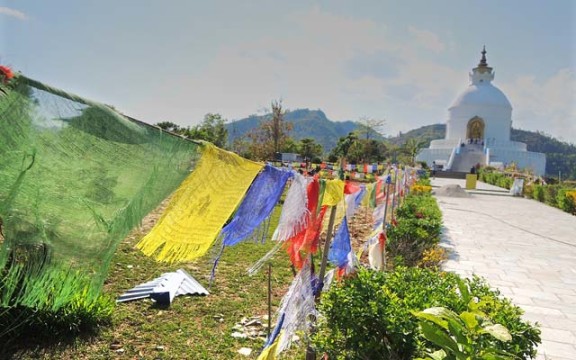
<point x="7" y="72"/>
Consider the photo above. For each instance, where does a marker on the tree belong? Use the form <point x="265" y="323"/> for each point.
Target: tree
<point x="344" y="144"/>
<point x="309" y="149"/>
<point x="368" y="128"/>
<point x="277" y="124"/>
<point x="393" y="152"/>
<point x="373" y="151"/>
<point x="212" y="129"/>
<point x="412" y="147"/>
<point x="272" y="136"/>
<point x="290" y="146"/>
<point x="170" y="126"/>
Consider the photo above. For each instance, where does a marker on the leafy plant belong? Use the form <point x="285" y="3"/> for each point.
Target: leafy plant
<point x="470" y="335"/>
<point x="433" y="257"/>
<point x="538" y="193"/>
<point x="370" y="315"/>
<point x="417" y="229"/>
<point x="505" y="182"/>
<point x="420" y="189"/>
<point x="551" y="194"/>
<point x="458" y="335"/>
<point x="529" y="191"/>
<point x="567" y="200"/>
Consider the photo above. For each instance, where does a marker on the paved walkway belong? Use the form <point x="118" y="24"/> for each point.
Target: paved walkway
<point x="525" y="249"/>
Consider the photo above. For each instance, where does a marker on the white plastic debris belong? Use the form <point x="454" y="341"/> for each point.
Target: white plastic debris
<point x="245" y="351"/>
<point x="165" y="288"/>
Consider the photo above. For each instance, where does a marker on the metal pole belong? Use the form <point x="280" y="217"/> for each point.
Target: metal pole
<point x="269" y="298"/>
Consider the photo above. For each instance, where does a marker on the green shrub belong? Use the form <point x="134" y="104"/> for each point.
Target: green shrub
<point x="566" y="199"/>
<point x="432" y="258"/>
<point x="528" y="191"/>
<point x="369" y="316"/>
<point x="424" y="180"/>
<point x="504" y="182"/>
<point x="495" y="178"/>
<point x="551" y="194"/>
<point x="418" y="226"/>
<point x="538" y="193"/>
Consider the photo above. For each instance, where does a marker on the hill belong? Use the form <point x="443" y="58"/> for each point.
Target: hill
<point x="560" y="156"/>
<point x="426" y="133"/>
<point x="306" y="124"/>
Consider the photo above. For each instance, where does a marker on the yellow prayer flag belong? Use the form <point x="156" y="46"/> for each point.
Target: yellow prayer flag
<point x="269" y="353"/>
<point x="200" y="206"/>
<point x="334" y="192"/>
<point x="366" y="198"/>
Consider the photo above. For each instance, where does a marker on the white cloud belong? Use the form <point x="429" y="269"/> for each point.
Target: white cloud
<point x="427" y="39"/>
<point x="305" y="67"/>
<point x="547" y="105"/>
<point x="310" y="66"/>
<point x="13" y="13"/>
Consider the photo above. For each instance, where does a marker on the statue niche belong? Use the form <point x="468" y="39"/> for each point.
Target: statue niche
<point x="475" y="129"/>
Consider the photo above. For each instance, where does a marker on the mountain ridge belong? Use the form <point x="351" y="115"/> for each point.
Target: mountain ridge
<point x="560" y="155"/>
<point x="306" y="124"/>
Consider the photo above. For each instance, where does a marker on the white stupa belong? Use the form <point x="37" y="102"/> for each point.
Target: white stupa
<point x="478" y="130"/>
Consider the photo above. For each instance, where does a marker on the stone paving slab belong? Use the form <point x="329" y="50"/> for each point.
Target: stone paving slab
<point x="525" y="249"/>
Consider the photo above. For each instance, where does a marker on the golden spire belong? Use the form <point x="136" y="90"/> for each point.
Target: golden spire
<point x="483" y="62"/>
<point x="483" y="67"/>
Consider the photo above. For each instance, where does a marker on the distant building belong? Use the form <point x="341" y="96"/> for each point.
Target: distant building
<point x="289" y="157"/>
<point x="478" y="130"/>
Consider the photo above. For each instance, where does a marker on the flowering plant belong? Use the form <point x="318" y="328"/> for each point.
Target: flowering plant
<point x="6" y="74"/>
<point x="421" y="189"/>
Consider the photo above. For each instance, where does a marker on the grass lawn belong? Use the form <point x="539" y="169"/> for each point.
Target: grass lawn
<point x="193" y="327"/>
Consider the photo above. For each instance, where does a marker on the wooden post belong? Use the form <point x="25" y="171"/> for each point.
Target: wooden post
<point x="326" y="249"/>
<point x="327" y="242"/>
<point x="311" y="352"/>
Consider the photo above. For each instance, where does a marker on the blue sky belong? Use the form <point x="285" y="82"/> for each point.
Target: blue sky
<point x="402" y="61"/>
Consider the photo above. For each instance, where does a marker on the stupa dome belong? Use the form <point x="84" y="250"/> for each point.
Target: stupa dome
<point x="482" y="94"/>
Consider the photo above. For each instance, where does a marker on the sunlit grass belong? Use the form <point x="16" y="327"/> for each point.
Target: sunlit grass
<point x="193" y="327"/>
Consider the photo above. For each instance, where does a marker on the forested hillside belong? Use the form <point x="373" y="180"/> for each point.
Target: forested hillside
<point x="306" y="124"/>
<point x="560" y="156"/>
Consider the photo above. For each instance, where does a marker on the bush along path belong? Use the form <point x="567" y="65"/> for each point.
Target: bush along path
<point x="561" y="196"/>
<point x="413" y="310"/>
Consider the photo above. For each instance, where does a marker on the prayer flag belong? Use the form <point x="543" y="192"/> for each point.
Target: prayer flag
<point x="340" y="247"/>
<point x="333" y="193"/>
<point x="200" y="206"/>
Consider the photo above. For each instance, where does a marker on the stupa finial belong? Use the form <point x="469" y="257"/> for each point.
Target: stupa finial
<point x="483" y="62"/>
